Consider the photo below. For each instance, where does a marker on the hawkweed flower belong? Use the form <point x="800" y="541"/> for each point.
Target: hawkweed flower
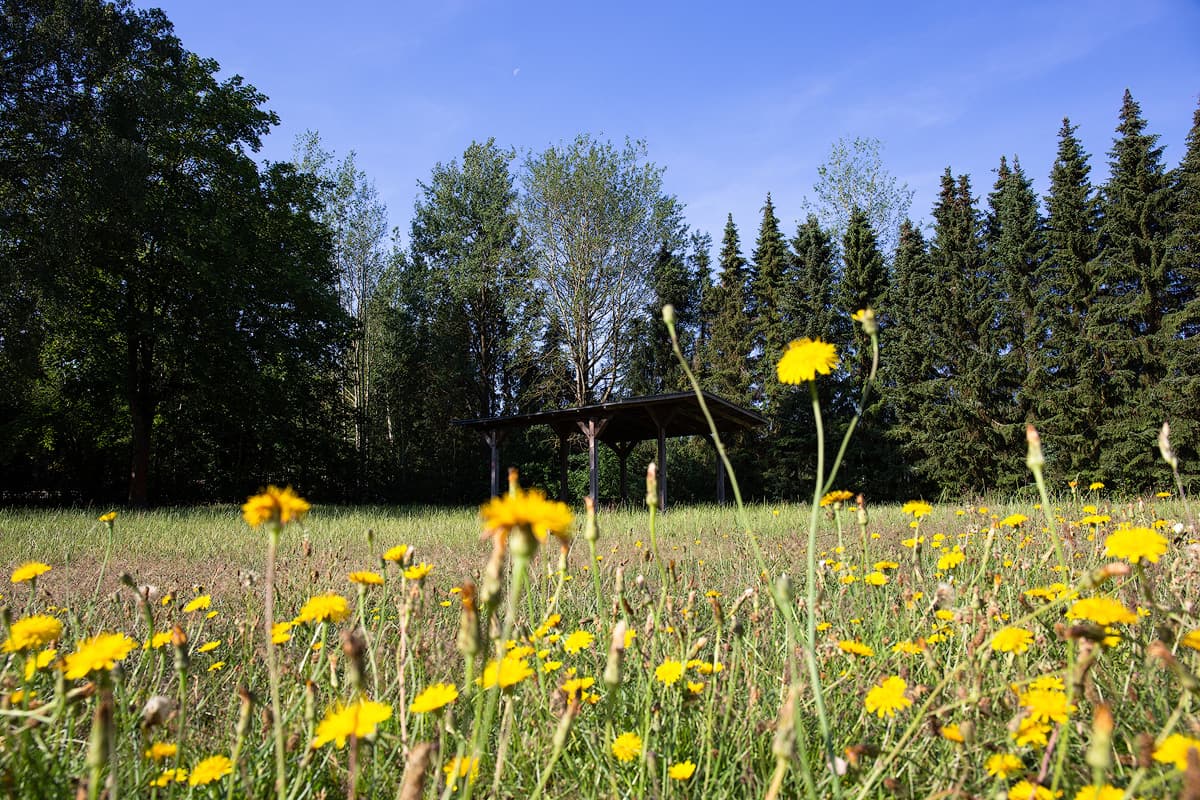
<point x="627" y="746"/>
<point x="359" y="719"/>
<point x="1105" y="792"/>
<point x="396" y="554"/>
<point x="836" y="498"/>
<point x="418" y="572"/>
<point x="108" y="518"/>
<point x="529" y="511"/>
<point x="209" y="770"/>
<point x="169" y="776"/>
<point x="804" y="359"/>
<point x="917" y="508"/>
<point x="366" y="577"/>
<point x="1002" y="765"/>
<point x="1013" y="521"/>
<point x="668" y="672"/>
<point x="682" y="770"/>
<point x="505" y="672"/>
<point x="274" y="506"/>
<point x="1012" y="640"/>
<point x="199" y="604"/>
<point x="32" y="633"/>
<point x="888" y="697"/>
<point x="1174" y="750"/>
<point x="29" y="571"/>
<point x="461" y="768"/>
<point x="329" y="607"/>
<point x="1047" y="705"/>
<point x="434" y="698"/>
<point x="1024" y="790"/>
<point x="100" y="653"/>
<point x="855" y="648"/>
<point x="578" y="640"/>
<point x="1102" y="611"/>
<point x="1135" y="544"/>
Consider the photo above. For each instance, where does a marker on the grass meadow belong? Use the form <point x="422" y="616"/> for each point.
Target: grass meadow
<point x="708" y="692"/>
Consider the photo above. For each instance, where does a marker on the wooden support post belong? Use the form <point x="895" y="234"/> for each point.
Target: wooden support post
<point x="720" y="475"/>
<point x="592" y="428"/>
<point x="493" y="437"/>
<point x="623" y="449"/>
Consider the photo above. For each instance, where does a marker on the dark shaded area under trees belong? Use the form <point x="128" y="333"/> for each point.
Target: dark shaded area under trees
<point x="181" y="323"/>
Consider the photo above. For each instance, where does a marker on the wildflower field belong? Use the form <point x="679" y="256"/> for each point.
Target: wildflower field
<point x="1032" y="649"/>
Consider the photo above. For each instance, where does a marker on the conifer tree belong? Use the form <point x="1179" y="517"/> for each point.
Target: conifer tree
<point x="1176" y="393"/>
<point x="863" y="283"/>
<point x="767" y="284"/>
<point x="1013" y="234"/>
<point x="1067" y="407"/>
<point x="906" y="362"/>
<point x="729" y="337"/>
<point x="1126" y="323"/>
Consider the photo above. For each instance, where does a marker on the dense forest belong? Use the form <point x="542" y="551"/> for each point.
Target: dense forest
<point x="181" y="322"/>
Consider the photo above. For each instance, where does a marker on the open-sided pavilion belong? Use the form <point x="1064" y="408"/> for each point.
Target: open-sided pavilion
<point x="621" y="424"/>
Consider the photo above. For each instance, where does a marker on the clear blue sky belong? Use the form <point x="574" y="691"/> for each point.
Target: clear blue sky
<point x="734" y="99"/>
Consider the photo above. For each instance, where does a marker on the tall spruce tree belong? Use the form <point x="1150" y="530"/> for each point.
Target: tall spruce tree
<point x="1176" y="393"/>
<point x="1068" y="406"/>
<point x="767" y="284"/>
<point x="1126" y="323"/>
<point x="1014" y="246"/>
<point x="726" y="311"/>
<point x="907" y="363"/>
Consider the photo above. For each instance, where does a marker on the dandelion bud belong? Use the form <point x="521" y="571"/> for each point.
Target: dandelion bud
<point x="784" y="588"/>
<point x="863" y="518"/>
<point x="128" y="580"/>
<point x="179" y="641"/>
<point x="1099" y="754"/>
<point x="306" y="546"/>
<point x="616" y="654"/>
<point x="1164" y="446"/>
<point x="415" y="770"/>
<point x="371" y="539"/>
<point x="490" y="590"/>
<point x="696" y="647"/>
<point x="591" y="531"/>
<point x="785" y="727"/>
<point x="652" y="485"/>
<point x="102" y="733"/>
<point x="668" y="314"/>
<point x="718" y="612"/>
<point x="355" y="649"/>
<point x="468" y="622"/>
<point x="514" y="482"/>
<point x="1034" y="459"/>
<point x="246" y="706"/>
<point x="866" y="318"/>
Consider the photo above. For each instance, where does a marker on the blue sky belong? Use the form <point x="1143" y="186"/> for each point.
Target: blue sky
<point x="734" y="100"/>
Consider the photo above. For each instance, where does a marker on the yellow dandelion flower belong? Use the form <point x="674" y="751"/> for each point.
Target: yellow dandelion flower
<point x="1002" y="765"/>
<point x="99" y="653"/>
<point x="40" y="661"/>
<point x="1174" y="750"/>
<point x="529" y="510"/>
<point x="170" y="776"/>
<point x="908" y="647"/>
<point x="1135" y="544"/>
<point x="695" y="687"/>
<point x="578" y="640"/>
<point x="918" y="508"/>
<point x="359" y="719"/>
<point x="32" y="633"/>
<point x="855" y="648"/>
<point x="950" y="560"/>
<point x="208" y="647"/>
<point x="627" y="746"/>
<point x="396" y="554"/>
<point x="1102" y="611"/>
<point x="274" y="505"/>
<point x="29" y="571"/>
<point x="1012" y="640"/>
<point x="281" y="632"/>
<point x="1105" y="792"/>
<point x="551" y="666"/>
<point x="837" y="496"/>
<point x="1013" y="521"/>
<point x="160" y="750"/>
<point x="418" y="572"/>
<point x="210" y="769"/>
<point x="459" y="768"/>
<point x="888" y="697"/>
<point x="158" y="640"/>
<point x="952" y="733"/>
<point x="668" y="672"/>
<point x="1054" y="682"/>
<point x="433" y="698"/>
<point x="200" y="603"/>
<point x="216" y="666"/>
<point x="1191" y="639"/>
<point x="109" y="517"/>
<point x="506" y="672"/>
<point x="804" y="359"/>
<point x="682" y="770"/>
<point x="875" y="578"/>
<point x="577" y="685"/>
<point x="1095" y="485"/>
<point x="366" y="577"/>
<point x="1024" y="790"/>
<point x="329" y="607"/>
<point x="1047" y="705"/>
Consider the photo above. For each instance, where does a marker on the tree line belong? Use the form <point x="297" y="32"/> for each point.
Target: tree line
<point x="180" y="322"/>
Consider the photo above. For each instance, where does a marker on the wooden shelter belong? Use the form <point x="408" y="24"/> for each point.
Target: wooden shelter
<point x="621" y="424"/>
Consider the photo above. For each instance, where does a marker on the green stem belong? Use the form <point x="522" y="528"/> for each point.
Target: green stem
<point x="273" y="666"/>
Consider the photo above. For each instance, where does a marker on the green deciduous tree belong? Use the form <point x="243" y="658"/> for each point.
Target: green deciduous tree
<point x="596" y="218"/>
<point x="853" y="177"/>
